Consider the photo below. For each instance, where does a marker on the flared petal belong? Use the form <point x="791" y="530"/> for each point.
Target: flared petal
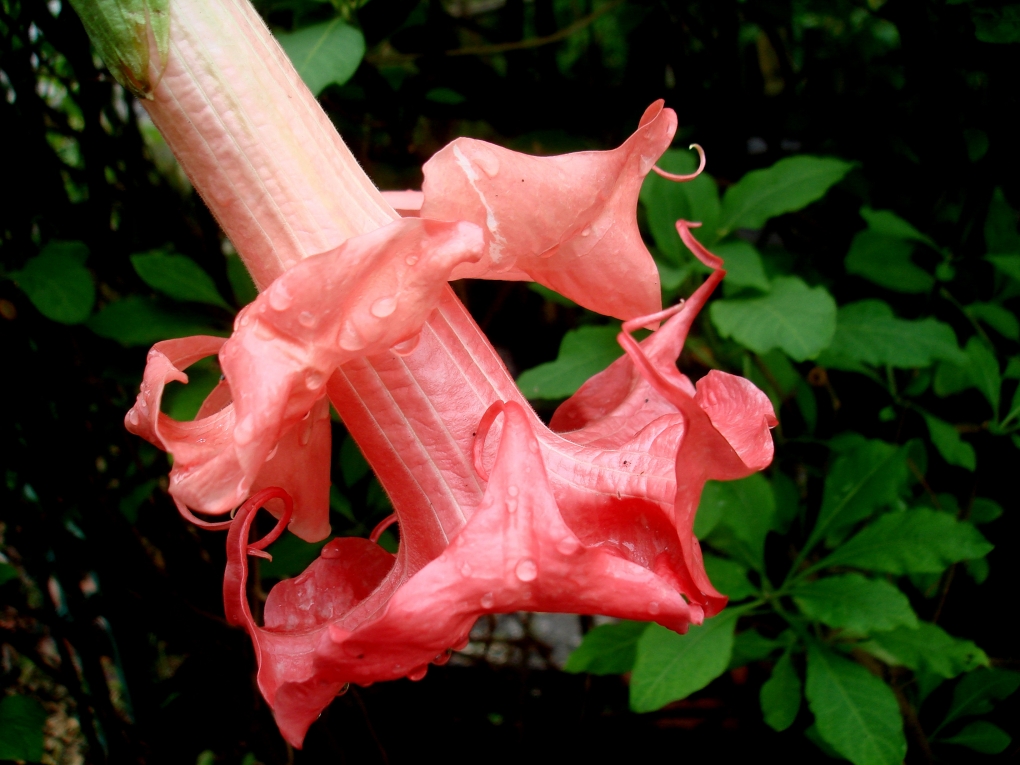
<point x="568" y="222"/>
<point x="515" y="553"/>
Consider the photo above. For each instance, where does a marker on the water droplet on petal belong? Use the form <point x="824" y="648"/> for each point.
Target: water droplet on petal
<point x="133" y="417"/>
<point x="269" y="456"/>
<point x="349" y="339"/>
<point x="442" y="658"/>
<point x="406" y="347"/>
<point x="306" y="319"/>
<point x="465" y="570"/>
<point x="306" y="434"/>
<point x="201" y="440"/>
<point x="244" y="320"/>
<point x="487" y="600"/>
<point x="280" y="297"/>
<point x="488" y="161"/>
<point x="511" y="505"/>
<point x="526" y="570"/>
<point x="653" y="608"/>
<point x="245" y="430"/>
<point x="568" y="546"/>
<point x="383" y="307"/>
<point x="418" y="674"/>
<point x="512" y="491"/>
<point x="411" y="260"/>
<point x="586" y="231"/>
<point x="242" y="488"/>
<point x="314" y="380"/>
<point x="343" y="689"/>
<point x="330" y="552"/>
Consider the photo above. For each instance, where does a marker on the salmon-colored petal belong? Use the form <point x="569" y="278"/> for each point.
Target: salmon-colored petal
<point x="406" y="203"/>
<point x="742" y="414"/>
<point x="568" y="222"/>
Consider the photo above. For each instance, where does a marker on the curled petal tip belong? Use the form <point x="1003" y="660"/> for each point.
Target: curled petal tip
<point x="688" y="177"/>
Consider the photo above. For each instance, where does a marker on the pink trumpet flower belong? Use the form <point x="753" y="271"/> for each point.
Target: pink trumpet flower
<point x="497" y="512"/>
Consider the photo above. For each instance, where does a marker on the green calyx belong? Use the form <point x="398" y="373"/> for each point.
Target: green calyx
<point x="128" y="34"/>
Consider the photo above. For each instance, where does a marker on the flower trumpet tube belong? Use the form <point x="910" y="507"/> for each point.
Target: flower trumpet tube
<point x="497" y="512"/>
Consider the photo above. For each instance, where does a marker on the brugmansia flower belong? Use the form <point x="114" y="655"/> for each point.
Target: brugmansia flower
<point x="497" y="512"/>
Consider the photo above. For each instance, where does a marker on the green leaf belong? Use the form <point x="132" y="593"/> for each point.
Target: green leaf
<point x="750" y="645"/>
<point x="888" y="223"/>
<point x="854" y="602"/>
<point x="552" y="296"/>
<point x="291" y="556"/>
<point x="7" y="573"/>
<point x="57" y="282"/>
<point x="584" y="351"/>
<point x="984" y="371"/>
<point x="136" y="320"/>
<point x="182" y="402"/>
<point x="729" y="577"/>
<point x="862" y="479"/>
<point x="946" y="438"/>
<point x="780" y="695"/>
<point x="743" y="265"/>
<point x="178" y="277"/>
<point x="799" y="319"/>
<point x="607" y="650"/>
<point x="855" y="712"/>
<point x="240" y="281"/>
<point x="928" y="648"/>
<point x="353" y="465"/>
<point x="885" y="260"/>
<point x="919" y="541"/>
<point x="1002" y="320"/>
<point x="951" y="378"/>
<point x="446" y="96"/>
<point x="667" y="201"/>
<point x="867" y="332"/>
<point x="123" y="31"/>
<point x="1000" y="226"/>
<point x="671" y="666"/>
<point x="976" y="693"/>
<point x="981" y="736"/>
<point x="21" y="728"/>
<point x="790" y="184"/>
<point x="325" y="53"/>
<point x="131" y="502"/>
<point x="997" y="25"/>
<point x="746" y="508"/>
<point x="1007" y="264"/>
<point x="983" y="510"/>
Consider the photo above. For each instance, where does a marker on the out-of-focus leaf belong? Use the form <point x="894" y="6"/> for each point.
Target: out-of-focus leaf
<point x="584" y="351"/>
<point x="325" y="53"/>
<point x="667" y="201"/>
<point x="984" y="510"/>
<point x="867" y="332"/>
<point x="854" y="602"/>
<point x="910" y="542"/>
<point x="338" y="503"/>
<point x="997" y="25"/>
<point x="609" y="649"/>
<point x="746" y="508"/>
<point x="750" y="645"/>
<point x="729" y="577"/>
<point x="240" y="281"/>
<point x="21" y="728"/>
<point x="1001" y="233"/>
<point x="136" y="320"/>
<point x="978" y="691"/>
<point x="743" y="265"/>
<point x="1007" y="264"/>
<point x="671" y="666"/>
<point x="123" y="31"/>
<point x="951" y="378"/>
<point x="182" y="402"/>
<point x="794" y="317"/>
<point x="353" y="465"/>
<point x="780" y="695"/>
<point x="983" y="368"/>
<point x="131" y="502"/>
<point x="998" y="318"/>
<point x="7" y="573"/>
<point x="862" y="479"/>
<point x="855" y="712"/>
<point x="552" y="296"/>
<point x="446" y="96"/>
<point x="885" y="260"/>
<point x="888" y="223"/>
<point x="981" y="736"/>
<point x="57" y="282"/>
<point x="946" y="438"/>
<point x="926" y="648"/>
<point x="790" y="184"/>
<point x="291" y="556"/>
<point x="178" y="277"/>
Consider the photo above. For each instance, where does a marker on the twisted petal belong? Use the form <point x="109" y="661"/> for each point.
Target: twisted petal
<point x="568" y="222"/>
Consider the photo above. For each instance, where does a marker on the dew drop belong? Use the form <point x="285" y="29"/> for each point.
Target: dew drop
<point x="271" y="454"/>
<point x="487" y="600"/>
<point x="513" y="491"/>
<point x="511" y="505"/>
<point x="201" y="440"/>
<point x="306" y="319"/>
<point x="442" y="658"/>
<point x="465" y="570"/>
<point x="411" y="260"/>
<point x="418" y="674"/>
<point x="349" y="339"/>
<point x="383" y="307"/>
<point x="488" y="161"/>
<point x="133" y="417"/>
<point x="653" y="608"/>
<point x="314" y="380"/>
<point x="526" y="570"/>
<point x="244" y="320"/>
<point x="306" y="434"/>
<point x="280" y="297"/>
<point x="586" y="231"/>
<point x="245" y="430"/>
<point x="568" y="546"/>
<point x="242" y="488"/>
<point x="343" y="689"/>
<point x="330" y="552"/>
<point x="406" y="347"/>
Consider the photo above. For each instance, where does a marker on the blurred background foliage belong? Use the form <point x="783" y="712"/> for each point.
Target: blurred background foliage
<point x="862" y="186"/>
